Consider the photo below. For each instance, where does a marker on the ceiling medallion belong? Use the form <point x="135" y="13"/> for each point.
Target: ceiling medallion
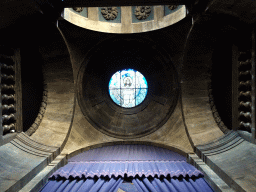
<point x="109" y="13"/>
<point x="78" y="9"/>
<point x="172" y="7"/>
<point x="142" y="12"/>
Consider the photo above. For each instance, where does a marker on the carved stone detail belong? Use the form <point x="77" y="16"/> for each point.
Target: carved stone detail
<point x="245" y="94"/>
<point x="8" y="107"/>
<point x="212" y="104"/>
<point x="247" y="115"/>
<point x="6" y="118"/>
<point x="245" y="63"/>
<point x="244" y="73"/>
<point x="246" y="104"/>
<point x="142" y="12"/>
<point x="246" y="125"/>
<point x="245" y="84"/>
<point x="40" y="115"/>
<point x="7" y="98"/>
<point x="6" y="87"/>
<point x="214" y="109"/>
<point x="78" y="9"/>
<point x="7" y="77"/>
<point x="43" y="105"/>
<point x="9" y="128"/>
<point x="218" y="119"/>
<point x="172" y="7"/>
<point x="215" y="113"/>
<point x="109" y="13"/>
<point x="7" y="67"/>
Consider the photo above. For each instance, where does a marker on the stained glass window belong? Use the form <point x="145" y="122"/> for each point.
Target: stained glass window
<point x="128" y="88"/>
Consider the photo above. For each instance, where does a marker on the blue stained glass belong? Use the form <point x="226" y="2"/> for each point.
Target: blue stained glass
<point x="128" y="78"/>
<point x="115" y="81"/>
<point x="140" y="95"/>
<point x="128" y="88"/>
<point x="140" y="81"/>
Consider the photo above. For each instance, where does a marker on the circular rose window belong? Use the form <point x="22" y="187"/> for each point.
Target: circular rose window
<point x="128" y="88"/>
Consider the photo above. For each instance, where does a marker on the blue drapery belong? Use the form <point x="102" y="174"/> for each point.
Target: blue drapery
<point x="128" y="153"/>
<point x="126" y="168"/>
<point x="104" y="169"/>
<point x="83" y="185"/>
<point x="172" y="184"/>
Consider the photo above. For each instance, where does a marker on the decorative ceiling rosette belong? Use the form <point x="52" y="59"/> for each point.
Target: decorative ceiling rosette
<point x="142" y="12"/>
<point x="109" y="13"/>
<point x="78" y="9"/>
<point x="173" y="7"/>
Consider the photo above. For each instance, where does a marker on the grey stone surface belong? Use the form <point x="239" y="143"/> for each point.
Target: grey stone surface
<point x="232" y="159"/>
<point x="42" y="177"/>
<point x="57" y="119"/>
<point x="210" y="176"/>
<point x="200" y="123"/>
<point x="246" y="136"/>
<point x="20" y="162"/>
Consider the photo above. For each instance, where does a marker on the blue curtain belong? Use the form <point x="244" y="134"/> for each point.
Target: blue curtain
<point x="128" y="153"/>
<point x="152" y="169"/>
<point x="196" y="184"/>
<point x="126" y="168"/>
<point x="83" y="185"/>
